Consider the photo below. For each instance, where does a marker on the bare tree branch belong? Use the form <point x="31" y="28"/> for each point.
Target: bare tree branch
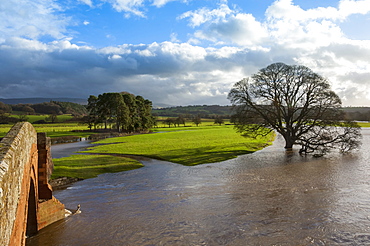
<point x="298" y="104"/>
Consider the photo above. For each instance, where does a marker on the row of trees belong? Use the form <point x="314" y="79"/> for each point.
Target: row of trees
<point x="204" y="111"/>
<point x="196" y="119"/>
<point x="5" y="108"/>
<point x="52" y="107"/>
<point x="122" y="111"/>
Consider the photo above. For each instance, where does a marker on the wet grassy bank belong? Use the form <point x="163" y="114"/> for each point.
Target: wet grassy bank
<point x="183" y="145"/>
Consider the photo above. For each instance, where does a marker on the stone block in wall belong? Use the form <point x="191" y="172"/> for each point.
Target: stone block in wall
<point x="45" y="166"/>
<point x="50" y="211"/>
<point x="15" y="155"/>
<point x="23" y="160"/>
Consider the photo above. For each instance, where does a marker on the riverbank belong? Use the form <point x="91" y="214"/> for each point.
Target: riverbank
<point x="63" y="182"/>
<point x="187" y="146"/>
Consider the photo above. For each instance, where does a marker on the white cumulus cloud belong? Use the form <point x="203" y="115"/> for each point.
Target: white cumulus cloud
<point x="31" y="19"/>
<point x="204" y="15"/>
<point x="226" y="44"/>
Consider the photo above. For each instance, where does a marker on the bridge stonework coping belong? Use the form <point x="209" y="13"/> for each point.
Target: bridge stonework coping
<point x="26" y="201"/>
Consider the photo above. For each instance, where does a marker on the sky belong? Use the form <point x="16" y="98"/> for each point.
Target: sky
<point x="178" y="52"/>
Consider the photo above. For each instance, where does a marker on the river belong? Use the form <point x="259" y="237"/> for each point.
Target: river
<point x="265" y="198"/>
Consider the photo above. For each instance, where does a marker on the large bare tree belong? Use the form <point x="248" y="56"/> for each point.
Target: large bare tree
<point x="297" y="103"/>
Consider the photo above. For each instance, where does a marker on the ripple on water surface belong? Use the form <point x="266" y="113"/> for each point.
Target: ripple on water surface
<point x="265" y="198"/>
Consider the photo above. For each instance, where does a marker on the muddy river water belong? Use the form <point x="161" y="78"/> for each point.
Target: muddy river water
<point x="265" y="198"/>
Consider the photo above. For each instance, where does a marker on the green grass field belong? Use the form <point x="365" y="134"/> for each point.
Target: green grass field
<point x="33" y="118"/>
<point x="90" y="166"/>
<point x="53" y="130"/>
<point x="364" y="124"/>
<point x="187" y="145"/>
<point x="62" y="129"/>
<point x="190" y="145"/>
<point x="183" y="145"/>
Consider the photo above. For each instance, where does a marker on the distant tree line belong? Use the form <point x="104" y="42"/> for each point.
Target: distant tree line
<point x="53" y="107"/>
<point x="203" y="111"/>
<point x="123" y="111"/>
<point x="5" y="110"/>
<point x="360" y="114"/>
<point x="215" y="111"/>
<point x="181" y="120"/>
<point x="196" y="119"/>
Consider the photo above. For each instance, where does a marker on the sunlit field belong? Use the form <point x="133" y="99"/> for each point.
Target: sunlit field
<point x="90" y="166"/>
<point x="33" y="118"/>
<point x="62" y="129"/>
<point x="185" y="145"/>
<point x="188" y="145"/>
<point x="364" y="124"/>
<point x="54" y="130"/>
<point x="66" y="129"/>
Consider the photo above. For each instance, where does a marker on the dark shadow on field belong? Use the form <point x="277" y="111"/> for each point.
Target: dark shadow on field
<point x="196" y="156"/>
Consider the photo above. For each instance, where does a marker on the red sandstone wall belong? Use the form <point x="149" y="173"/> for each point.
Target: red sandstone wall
<point x="20" y="223"/>
<point x="20" y="153"/>
<point x="49" y="211"/>
<point x="15" y="149"/>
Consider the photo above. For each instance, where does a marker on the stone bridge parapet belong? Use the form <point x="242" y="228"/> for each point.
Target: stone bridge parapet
<point x="26" y="201"/>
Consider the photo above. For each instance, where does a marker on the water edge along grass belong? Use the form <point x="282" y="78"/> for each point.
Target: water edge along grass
<point x="90" y="166"/>
<point x="186" y="145"/>
<point x="183" y="145"/>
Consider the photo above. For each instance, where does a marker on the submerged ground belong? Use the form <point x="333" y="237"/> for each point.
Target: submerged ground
<point x="268" y="197"/>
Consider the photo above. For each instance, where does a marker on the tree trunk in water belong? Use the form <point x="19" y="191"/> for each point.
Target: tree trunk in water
<point x="288" y="143"/>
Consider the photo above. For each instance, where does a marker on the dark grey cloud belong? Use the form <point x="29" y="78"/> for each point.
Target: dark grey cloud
<point x="165" y="73"/>
<point x="180" y="73"/>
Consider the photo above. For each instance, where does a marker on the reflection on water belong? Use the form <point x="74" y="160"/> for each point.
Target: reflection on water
<point x="65" y="150"/>
<point x="265" y="198"/>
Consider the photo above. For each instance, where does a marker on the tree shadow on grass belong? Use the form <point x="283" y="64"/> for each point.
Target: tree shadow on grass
<point x="196" y="156"/>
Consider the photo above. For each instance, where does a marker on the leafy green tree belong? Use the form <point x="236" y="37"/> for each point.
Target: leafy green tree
<point x="47" y="108"/>
<point x="119" y="111"/>
<point x="71" y="108"/>
<point x="123" y="111"/>
<point x="23" y="117"/>
<point x="130" y="101"/>
<point x="297" y="103"/>
<point x="197" y="120"/>
<point x="144" y="112"/>
<point x="219" y="120"/>
<point x="5" y="108"/>
<point x="180" y="120"/>
<point x="93" y="116"/>
<point x="52" y="117"/>
<point x="169" y="122"/>
<point x="104" y="109"/>
<point x="112" y="110"/>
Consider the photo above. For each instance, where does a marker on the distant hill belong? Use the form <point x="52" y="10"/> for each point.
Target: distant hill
<point x="209" y="111"/>
<point x="37" y="100"/>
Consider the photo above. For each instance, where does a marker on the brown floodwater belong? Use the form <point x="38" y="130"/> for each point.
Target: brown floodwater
<point x="265" y="198"/>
